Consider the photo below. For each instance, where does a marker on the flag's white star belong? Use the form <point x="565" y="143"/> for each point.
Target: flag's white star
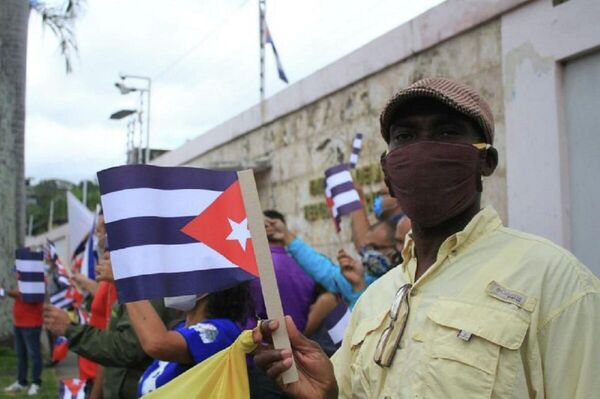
<point x="239" y="232"/>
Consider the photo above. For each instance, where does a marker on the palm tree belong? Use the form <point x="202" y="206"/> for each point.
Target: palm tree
<point x="14" y="19"/>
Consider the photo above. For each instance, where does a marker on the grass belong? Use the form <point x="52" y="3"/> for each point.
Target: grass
<point x="8" y="374"/>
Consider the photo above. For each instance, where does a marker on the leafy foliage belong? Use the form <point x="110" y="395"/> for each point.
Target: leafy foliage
<point x="61" y="20"/>
<point x="42" y="194"/>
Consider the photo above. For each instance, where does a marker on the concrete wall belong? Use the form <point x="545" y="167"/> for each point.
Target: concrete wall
<point x="300" y="145"/>
<point x="537" y="39"/>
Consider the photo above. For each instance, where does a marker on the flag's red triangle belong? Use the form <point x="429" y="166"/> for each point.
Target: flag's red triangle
<point x="223" y="227"/>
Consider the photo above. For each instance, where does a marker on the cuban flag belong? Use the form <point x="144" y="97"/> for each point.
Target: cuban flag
<point x="356" y="147"/>
<point x="336" y="323"/>
<point x="62" y="299"/>
<point x="175" y="230"/>
<point x="88" y="265"/>
<point x="30" y="269"/>
<point x="60" y="349"/>
<point x="269" y="40"/>
<point x="72" y="388"/>
<point x="340" y="194"/>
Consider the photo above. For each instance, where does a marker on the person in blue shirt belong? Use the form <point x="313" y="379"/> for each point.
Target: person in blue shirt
<point x="210" y="325"/>
<point x="378" y="255"/>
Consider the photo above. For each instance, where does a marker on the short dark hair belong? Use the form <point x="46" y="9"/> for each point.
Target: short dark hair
<point x="233" y="303"/>
<point x="273" y="214"/>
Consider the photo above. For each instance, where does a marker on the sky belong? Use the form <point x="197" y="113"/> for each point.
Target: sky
<point x="202" y="56"/>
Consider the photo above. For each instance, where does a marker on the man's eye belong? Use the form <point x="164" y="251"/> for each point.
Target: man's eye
<point x="449" y="132"/>
<point x="401" y="136"/>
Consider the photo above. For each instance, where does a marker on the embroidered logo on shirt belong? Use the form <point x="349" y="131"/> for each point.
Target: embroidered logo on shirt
<point x="516" y="298"/>
<point x="208" y="332"/>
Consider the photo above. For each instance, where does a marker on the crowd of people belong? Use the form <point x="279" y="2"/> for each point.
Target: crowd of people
<point x="442" y="300"/>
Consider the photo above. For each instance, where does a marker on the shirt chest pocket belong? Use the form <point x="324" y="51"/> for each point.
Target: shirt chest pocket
<point x="463" y="344"/>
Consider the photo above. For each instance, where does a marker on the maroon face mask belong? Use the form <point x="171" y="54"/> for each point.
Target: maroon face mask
<point x="433" y="181"/>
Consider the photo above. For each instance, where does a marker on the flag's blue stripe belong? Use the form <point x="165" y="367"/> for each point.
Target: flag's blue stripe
<point x="148" y="230"/>
<point x="346" y="209"/>
<point x="31" y="276"/>
<point x="335" y="316"/>
<point x="336" y="169"/>
<point x="152" y="286"/>
<point x="32" y="298"/>
<point x="342" y="188"/>
<point x="26" y="254"/>
<point x="163" y="178"/>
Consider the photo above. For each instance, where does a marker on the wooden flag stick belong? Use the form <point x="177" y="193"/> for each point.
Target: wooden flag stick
<point x="264" y="262"/>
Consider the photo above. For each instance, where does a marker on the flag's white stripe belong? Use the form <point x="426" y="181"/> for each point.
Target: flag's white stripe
<point x="338" y="178"/>
<point x="337" y="332"/>
<point x="31" y="287"/>
<point x="357" y="143"/>
<point x="153" y="259"/>
<point x="354" y="159"/>
<point x="63" y="303"/>
<point x="138" y="202"/>
<point x="29" y="266"/>
<point x="345" y="198"/>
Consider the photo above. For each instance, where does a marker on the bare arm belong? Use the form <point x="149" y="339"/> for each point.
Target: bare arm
<point x="85" y="283"/>
<point x="360" y="222"/>
<point x="319" y="310"/>
<point x="156" y="340"/>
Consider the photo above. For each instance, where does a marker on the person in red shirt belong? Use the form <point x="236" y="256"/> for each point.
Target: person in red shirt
<point x="28" y="321"/>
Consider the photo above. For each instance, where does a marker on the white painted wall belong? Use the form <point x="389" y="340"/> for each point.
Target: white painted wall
<point x="582" y="105"/>
<point x="536" y="38"/>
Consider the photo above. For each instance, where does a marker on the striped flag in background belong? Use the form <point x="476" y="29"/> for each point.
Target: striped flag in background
<point x="175" y="230"/>
<point x="62" y="299"/>
<point x="30" y="269"/>
<point x="356" y="147"/>
<point x="341" y="195"/>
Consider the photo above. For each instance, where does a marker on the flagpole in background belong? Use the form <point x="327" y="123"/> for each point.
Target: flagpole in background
<point x="262" y="6"/>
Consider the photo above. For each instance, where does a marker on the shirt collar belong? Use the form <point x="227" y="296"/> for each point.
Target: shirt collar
<point x="485" y="221"/>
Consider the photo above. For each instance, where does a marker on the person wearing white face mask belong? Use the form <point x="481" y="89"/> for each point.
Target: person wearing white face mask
<point x="210" y="325"/>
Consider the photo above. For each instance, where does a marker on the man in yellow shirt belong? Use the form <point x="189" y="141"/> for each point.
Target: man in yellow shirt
<point x="476" y="310"/>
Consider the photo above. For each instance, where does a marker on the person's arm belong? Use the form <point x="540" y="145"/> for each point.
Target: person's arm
<point x="85" y="283"/>
<point x="359" y="222"/>
<point x="319" y="310"/>
<point x="156" y="340"/>
<point x="96" y="392"/>
<point x="319" y="267"/>
<point x="570" y="349"/>
<point x="13" y="293"/>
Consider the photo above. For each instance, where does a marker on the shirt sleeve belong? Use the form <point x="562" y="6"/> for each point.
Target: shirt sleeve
<point x="321" y="269"/>
<point x="205" y="339"/>
<point x="570" y="349"/>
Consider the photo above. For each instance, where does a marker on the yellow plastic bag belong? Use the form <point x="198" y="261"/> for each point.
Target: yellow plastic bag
<point x="223" y="375"/>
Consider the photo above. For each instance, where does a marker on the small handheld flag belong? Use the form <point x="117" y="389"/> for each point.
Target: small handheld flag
<point x="61" y="299"/>
<point x="30" y="268"/>
<point x="341" y="195"/>
<point x="180" y="231"/>
<point x="88" y="265"/>
<point x="336" y="322"/>
<point x="175" y="231"/>
<point x="72" y="388"/>
<point x="60" y="349"/>
<point x="356" y="147"/>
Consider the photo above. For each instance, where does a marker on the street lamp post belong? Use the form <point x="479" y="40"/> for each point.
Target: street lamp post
<point x="124" y="89"/>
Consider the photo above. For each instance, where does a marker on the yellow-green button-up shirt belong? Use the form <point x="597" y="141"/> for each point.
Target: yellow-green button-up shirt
<point x="500" y="314"/>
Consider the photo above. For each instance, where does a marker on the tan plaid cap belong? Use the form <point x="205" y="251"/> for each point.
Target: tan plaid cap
<point x="456" y="95"/>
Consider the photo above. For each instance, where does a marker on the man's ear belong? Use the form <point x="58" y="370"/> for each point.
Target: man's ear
<point x="490" y="162"/>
